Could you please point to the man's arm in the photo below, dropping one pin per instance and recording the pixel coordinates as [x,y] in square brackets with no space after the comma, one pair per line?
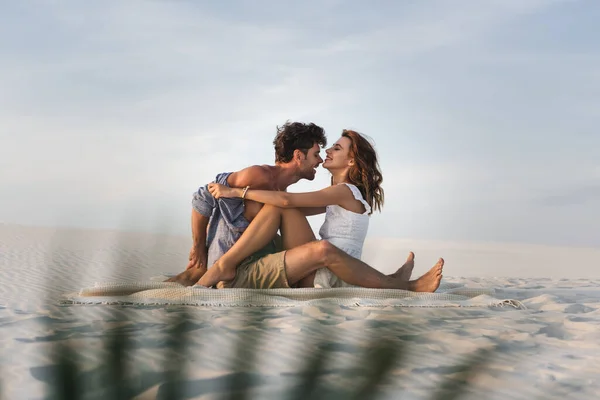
[198,257]
[199,229]
[203,204]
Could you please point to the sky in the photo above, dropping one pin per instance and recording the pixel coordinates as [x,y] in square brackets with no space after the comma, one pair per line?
[485,114]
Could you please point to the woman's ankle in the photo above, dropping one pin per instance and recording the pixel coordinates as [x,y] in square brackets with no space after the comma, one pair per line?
[225,271]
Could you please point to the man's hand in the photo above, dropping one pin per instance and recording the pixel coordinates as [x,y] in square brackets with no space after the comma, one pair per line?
[197,258]
[217,190]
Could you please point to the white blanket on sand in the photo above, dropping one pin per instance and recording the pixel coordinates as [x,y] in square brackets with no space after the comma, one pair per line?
[153,293]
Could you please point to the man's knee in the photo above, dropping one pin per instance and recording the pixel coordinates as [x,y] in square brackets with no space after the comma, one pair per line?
[271,208]
[291,211]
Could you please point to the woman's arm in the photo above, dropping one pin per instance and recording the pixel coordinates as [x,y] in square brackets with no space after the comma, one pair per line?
[332,195]
[308,211]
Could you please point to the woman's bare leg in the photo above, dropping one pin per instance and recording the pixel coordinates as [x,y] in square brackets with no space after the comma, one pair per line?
[191,276]
[295,231]
[304,260]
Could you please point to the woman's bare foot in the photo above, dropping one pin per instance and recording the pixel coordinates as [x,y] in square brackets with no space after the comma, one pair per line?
[217,273]
[430,281]
[188,277]
[405,271]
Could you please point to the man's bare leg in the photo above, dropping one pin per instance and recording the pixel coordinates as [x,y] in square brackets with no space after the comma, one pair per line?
[295,231]
[301,261]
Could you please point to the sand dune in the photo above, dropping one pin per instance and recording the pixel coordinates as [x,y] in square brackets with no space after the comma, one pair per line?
[551,348]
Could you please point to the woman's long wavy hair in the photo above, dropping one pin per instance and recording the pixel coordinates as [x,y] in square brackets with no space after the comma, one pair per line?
[365,174]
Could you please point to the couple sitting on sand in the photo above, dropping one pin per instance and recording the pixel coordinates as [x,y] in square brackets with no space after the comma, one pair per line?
[243,254]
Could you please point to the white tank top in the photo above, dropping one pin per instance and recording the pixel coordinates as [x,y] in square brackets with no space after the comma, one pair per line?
[345,230]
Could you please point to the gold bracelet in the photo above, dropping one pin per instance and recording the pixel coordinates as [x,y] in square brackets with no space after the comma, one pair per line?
[244,191]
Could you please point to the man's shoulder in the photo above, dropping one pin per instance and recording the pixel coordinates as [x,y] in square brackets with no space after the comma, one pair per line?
[254,175]
[256,171]
[259,169]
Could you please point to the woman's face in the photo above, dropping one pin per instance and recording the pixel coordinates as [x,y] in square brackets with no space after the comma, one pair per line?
[338,155]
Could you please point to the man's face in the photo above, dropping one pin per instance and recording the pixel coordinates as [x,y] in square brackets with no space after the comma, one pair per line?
[308,166]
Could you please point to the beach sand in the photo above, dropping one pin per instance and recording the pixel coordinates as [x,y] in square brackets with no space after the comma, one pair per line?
[549,350]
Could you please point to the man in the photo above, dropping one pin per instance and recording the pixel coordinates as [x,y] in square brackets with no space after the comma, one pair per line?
[217,225]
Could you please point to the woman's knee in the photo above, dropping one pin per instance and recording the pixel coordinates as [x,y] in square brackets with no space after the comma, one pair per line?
[325,250]
[316,253]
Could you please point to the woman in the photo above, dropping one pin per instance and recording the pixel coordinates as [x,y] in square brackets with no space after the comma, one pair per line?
[354,193]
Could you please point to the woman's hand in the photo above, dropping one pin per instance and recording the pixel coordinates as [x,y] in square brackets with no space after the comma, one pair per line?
[218,191]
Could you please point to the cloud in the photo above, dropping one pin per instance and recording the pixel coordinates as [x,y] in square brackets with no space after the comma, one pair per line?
[127,96]
[419,29]
[576,196]
[478,110]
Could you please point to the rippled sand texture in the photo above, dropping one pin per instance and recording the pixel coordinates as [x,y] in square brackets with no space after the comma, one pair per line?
[550,349]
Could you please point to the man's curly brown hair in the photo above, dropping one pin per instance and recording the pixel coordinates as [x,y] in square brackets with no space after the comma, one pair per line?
[297,136]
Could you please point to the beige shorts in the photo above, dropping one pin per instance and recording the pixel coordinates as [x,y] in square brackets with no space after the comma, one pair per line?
[267,272]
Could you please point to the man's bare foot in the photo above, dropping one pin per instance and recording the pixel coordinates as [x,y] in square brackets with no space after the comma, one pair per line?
[188,277]
[430,281]
[405,271]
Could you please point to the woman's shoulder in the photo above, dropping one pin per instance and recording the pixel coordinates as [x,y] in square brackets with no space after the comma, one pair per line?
[358,195]
[353,188]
